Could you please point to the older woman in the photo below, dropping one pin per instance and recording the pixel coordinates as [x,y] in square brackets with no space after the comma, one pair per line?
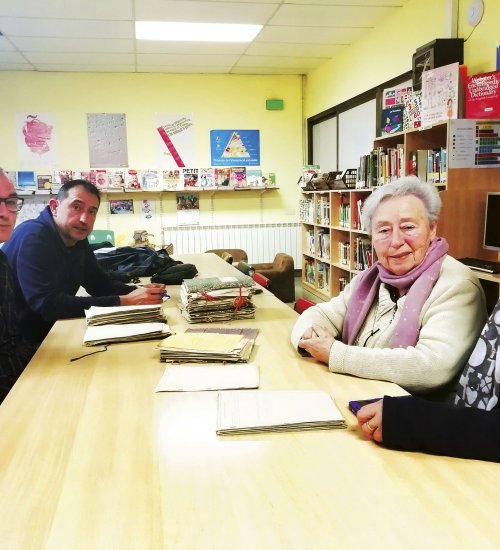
[413,317]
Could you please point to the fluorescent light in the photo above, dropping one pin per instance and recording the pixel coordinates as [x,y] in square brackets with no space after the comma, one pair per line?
[195,32]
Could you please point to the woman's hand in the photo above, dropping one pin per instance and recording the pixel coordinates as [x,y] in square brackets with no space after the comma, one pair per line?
[370,420]
[317,341]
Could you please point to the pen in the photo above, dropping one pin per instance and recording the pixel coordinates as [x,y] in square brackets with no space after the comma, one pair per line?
[165,295]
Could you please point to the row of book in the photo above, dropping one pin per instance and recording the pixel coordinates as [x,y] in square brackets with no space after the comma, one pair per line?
[323,250]
[148,180]
[429,165]
[363,254]
[306,210]
[381,166]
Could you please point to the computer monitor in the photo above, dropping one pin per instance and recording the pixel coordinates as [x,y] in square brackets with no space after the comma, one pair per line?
[491,238]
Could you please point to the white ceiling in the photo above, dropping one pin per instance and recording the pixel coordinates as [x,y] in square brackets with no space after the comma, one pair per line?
[98,35]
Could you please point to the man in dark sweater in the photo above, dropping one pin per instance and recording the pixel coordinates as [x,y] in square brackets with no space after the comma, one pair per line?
[14,351]
[470,429]
[51,259]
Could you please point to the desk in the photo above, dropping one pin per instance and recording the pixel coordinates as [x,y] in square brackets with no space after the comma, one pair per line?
[91,458]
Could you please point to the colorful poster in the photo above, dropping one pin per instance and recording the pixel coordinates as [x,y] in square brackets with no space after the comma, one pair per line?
[107,136]
[235,147]
[175,139]
[36,140]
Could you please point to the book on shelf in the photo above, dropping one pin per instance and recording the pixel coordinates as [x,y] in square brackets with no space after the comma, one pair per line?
[255,178]
[442,94]
[238,177]
[44,182]
[190,178]
[222,177]
[309,272]
[412,110]
[482,95]
[269,179]
[344,211]
[363,255]
[323,250]
[323,210]
[391,120]
[344,253]
[310,240]
[207,178]
[428,165]
[133,180]
[151,180]
[306,209]
[116,180]
[323,277]
[257,411]
[172,180]
[26,181]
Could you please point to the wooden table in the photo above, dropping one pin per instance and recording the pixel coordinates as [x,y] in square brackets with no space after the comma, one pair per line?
[92,458]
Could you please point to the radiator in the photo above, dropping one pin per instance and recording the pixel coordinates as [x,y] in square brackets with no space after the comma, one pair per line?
[261,242]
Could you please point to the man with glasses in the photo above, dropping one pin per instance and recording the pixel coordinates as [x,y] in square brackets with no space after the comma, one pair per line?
[14,351]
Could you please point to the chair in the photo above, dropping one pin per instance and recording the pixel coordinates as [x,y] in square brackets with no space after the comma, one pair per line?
[282,275]
[262,280]
[101,236]
[302,304]
[230,255]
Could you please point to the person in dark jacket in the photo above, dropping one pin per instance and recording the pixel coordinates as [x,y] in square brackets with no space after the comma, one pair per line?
[469,429]
[51,259]
[14,351]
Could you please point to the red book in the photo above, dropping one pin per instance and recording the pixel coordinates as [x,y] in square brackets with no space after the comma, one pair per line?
[482,95]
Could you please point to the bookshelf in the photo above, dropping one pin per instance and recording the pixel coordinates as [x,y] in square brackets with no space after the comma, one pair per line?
[462,190]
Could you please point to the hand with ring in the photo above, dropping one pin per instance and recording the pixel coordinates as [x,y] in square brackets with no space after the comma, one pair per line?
[370,420]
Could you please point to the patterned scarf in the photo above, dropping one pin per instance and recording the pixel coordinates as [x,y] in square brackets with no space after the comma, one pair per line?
[418,282]
[479,385]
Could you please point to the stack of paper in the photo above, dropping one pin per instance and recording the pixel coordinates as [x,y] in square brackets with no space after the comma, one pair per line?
[196,377]
[124,314]
[209,346]
[130,332]
[275,411]
[217,299]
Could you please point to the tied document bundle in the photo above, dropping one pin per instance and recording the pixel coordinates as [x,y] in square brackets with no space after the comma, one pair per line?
[96,315]
[217,299]
[256,411]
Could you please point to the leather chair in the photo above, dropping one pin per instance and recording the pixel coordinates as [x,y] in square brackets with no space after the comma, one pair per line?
[230,254]
[282,275]
[302,304]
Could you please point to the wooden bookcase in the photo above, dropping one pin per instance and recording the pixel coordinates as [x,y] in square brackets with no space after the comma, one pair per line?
[463,198]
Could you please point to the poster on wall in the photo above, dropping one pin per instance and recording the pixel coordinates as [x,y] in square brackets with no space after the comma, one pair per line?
[188,209]
[148,209]
[235,147]
[36,140]
[107,136]
[175,139]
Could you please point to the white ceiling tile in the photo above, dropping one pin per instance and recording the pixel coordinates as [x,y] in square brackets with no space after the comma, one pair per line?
[61,58]
[62,67]
[82,45]
[15,66]
[147,46]
[268,70]
[290,49]
[310,35]
[12,57]
[5,45]
[265,61]
[70,9]
[205,12]
[66,28]
[186,69]
[326,16]
[180,60]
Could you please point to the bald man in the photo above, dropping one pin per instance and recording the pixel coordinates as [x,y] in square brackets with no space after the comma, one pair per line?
[14,351]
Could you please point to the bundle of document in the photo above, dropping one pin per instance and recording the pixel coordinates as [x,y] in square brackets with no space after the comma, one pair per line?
[124,314]
[130,332]
[209,346]
[217,299]
[256,411]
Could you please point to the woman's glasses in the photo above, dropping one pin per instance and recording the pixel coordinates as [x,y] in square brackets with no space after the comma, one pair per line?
[14,204]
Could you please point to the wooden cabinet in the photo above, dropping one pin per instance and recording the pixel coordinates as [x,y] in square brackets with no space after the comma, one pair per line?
[326,269]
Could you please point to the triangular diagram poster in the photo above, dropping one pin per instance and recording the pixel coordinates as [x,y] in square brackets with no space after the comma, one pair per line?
[235,147]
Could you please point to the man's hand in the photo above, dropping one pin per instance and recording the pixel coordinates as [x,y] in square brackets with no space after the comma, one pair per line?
[317,341]
[151,293]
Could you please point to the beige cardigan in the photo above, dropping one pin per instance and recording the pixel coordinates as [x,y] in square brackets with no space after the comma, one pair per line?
[451,320]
